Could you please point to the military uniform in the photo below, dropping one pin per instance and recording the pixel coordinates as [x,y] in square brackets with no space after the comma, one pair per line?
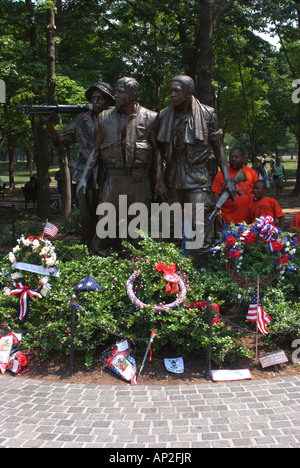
[186,143]
[127,156]
[83,130]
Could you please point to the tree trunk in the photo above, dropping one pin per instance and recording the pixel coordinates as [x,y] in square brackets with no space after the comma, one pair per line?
[51,56]
[29,157]
[42,161]
[62,153]
[296,190]
[66,195]
[11,158]
[205,56]
[250,130]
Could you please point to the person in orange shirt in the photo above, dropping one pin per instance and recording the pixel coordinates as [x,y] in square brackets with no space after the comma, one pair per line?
[265,206]
[296,224]
[239,210]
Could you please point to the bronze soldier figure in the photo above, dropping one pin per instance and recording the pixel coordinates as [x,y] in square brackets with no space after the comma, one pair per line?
[126,145]
[83,130]
[190,140]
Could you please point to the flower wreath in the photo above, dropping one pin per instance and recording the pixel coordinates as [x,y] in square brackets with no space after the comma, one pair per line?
[174,285]
[235,240]
[30,279]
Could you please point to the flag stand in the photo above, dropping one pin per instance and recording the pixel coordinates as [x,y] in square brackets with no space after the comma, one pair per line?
[257,314]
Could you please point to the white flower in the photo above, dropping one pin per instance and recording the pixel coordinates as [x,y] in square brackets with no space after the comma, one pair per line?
[35,245]
[45,290]
[6,291]
[16,275]
[44,280]
[16,249]
[49,262]
[11,257]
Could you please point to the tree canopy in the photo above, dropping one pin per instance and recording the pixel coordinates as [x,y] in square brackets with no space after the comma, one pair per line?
[217,42]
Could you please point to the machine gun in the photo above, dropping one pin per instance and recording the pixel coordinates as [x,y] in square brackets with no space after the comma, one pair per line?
[240,177]
[56,109]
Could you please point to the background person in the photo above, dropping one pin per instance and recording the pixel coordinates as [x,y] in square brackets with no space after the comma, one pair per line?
[239,210]
[279,175]
[296,224]
[265,206]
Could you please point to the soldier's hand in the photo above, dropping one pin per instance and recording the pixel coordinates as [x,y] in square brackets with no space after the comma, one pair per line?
[230,187]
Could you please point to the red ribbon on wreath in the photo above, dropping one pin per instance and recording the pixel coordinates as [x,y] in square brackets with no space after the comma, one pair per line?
[25,292]
[169,275]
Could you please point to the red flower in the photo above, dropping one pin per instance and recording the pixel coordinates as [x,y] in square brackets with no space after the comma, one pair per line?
[277,245]
[250,237]
[230,241]
[284,259]
[234,253]
[30,239]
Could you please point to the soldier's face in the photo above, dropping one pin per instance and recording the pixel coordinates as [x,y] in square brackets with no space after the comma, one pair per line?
[99,101]
[122,96]
[178,94]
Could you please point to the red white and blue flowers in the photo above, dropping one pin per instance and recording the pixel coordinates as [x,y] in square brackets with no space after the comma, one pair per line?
[32,263]
[234,241]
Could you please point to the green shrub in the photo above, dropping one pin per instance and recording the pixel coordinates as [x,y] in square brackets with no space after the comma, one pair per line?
[110,314]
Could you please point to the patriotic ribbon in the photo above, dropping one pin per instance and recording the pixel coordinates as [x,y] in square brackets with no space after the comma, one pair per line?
[267,230]
[25,292]
[169,275]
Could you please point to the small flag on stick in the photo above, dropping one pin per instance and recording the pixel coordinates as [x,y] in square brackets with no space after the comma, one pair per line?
[50,229]
[257,314]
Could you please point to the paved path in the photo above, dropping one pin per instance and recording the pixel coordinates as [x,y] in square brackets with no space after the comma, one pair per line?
[238,414]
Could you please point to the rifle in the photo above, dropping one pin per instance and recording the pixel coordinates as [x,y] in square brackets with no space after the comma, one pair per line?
[240,177]
[59,109]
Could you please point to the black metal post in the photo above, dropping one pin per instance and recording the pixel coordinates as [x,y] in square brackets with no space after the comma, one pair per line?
[73,324]
[208,347]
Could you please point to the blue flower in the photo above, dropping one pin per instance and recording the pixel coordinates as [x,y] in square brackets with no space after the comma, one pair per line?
[224,234]
[291,268]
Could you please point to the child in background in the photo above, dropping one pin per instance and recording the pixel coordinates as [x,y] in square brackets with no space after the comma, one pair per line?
[296,224]
[265,206]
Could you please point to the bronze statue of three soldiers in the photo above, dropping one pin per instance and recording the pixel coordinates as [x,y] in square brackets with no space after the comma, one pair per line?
[133,151]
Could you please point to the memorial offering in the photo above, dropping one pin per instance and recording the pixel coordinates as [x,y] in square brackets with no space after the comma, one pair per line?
[171,277]
[8,344]
[118,359]
[239,243]
[32,264]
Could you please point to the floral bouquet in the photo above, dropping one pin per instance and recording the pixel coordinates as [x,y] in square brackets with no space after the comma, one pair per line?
[251,246]
[32,264]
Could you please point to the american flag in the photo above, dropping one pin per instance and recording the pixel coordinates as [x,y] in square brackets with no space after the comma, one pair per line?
[263,319]
[87,284]
[50,229]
